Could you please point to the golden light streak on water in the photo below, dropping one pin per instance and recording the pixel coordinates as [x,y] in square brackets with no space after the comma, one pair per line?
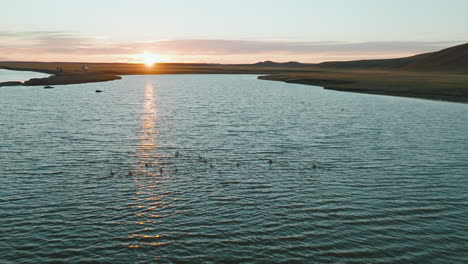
[150,177]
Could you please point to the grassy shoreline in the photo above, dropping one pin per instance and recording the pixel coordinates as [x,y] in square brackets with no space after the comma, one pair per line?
[72,73]
[425,85]
[433,86]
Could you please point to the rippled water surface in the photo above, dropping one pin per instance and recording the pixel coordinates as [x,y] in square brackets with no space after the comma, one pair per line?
[354,178]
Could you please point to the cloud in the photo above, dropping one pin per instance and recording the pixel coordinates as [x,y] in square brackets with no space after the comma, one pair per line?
[227,47]
[67,46]
[33,34]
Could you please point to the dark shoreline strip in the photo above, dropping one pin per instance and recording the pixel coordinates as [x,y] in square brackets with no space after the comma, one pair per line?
[329,85]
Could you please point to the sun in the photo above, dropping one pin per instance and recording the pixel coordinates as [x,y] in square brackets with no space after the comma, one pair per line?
[149,59]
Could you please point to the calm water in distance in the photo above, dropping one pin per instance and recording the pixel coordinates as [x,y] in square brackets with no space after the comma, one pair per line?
[355,178]
[7,75]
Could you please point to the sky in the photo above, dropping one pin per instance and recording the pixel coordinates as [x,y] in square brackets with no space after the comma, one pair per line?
[226,31]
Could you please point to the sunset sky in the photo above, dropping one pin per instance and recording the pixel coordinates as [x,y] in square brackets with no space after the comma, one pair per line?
[227,31]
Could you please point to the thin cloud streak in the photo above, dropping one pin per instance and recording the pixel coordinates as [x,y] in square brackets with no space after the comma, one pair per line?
[226,47]
[65,46]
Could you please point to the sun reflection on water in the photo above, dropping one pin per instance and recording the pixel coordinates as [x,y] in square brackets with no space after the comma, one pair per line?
[152,198]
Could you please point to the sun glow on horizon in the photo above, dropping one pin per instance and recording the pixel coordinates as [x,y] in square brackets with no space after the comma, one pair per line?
[149,59]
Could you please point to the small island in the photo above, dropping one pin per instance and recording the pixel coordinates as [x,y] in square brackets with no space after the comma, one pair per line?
[71,78]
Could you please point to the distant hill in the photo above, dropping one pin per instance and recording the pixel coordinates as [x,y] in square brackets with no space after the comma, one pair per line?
[384,64]
[450,59]
[282,64]
[454,59]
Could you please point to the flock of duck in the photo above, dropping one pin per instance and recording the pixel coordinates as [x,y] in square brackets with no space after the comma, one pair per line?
[200,158]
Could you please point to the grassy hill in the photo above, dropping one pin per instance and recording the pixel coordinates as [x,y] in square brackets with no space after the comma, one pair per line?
[454,59]
[451,59]
[441,75]
[382,64]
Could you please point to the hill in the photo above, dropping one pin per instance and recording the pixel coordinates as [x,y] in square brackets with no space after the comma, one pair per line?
[382,64]
[281,64]
[454,59]
[451,59]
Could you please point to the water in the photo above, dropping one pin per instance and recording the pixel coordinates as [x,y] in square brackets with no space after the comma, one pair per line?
[7,75]
[389,183]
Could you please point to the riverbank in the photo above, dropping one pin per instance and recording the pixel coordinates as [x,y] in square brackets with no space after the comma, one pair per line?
[448,86]
[434,86]
[73,73]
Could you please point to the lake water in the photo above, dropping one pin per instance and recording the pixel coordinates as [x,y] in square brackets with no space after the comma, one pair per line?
[354,178]
[7,75]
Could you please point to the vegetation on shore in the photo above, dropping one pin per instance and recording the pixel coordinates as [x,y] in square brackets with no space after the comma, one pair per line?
[441,75]
[73,73]
[73,78]
[437,86]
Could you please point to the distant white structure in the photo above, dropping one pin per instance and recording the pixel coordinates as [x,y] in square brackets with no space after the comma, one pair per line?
[84,68]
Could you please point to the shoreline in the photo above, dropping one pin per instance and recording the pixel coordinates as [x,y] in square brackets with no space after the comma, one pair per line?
[71,78]
[63,80]
[432,97]
[440,87]
[58,78]
[451,87]
[73,73]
